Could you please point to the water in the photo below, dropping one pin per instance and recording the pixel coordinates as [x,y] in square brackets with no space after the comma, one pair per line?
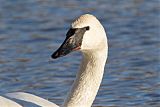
[31,30]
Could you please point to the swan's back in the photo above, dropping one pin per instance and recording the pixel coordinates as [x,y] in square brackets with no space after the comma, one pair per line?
[31,98]
[4,102]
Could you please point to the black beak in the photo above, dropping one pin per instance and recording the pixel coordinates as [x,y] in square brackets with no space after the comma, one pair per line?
[72,42]
[67,46]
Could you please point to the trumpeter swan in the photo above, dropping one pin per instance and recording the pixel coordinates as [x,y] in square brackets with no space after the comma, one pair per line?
[88,36]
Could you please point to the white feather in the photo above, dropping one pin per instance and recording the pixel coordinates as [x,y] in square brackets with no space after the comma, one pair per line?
[31,98]
[4,102]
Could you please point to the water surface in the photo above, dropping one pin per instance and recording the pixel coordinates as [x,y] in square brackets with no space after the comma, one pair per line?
[30,30]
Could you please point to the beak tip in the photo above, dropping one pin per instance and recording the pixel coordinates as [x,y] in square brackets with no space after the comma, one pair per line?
[54,55]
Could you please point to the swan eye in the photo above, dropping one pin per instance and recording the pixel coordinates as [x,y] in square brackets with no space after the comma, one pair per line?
[87,28]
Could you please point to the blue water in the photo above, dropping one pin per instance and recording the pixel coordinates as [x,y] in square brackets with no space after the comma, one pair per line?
[31,30]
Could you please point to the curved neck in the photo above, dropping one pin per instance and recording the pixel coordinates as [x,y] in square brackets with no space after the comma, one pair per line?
[88,79]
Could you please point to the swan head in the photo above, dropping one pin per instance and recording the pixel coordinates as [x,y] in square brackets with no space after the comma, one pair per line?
[86,34]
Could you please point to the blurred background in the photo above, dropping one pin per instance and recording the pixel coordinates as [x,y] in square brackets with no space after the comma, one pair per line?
[31,30]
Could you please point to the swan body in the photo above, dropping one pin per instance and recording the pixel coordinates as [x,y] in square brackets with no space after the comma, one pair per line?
[88,36]
[31,98]
[4,102]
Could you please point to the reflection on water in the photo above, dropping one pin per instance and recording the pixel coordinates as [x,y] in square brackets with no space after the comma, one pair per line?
[31,30]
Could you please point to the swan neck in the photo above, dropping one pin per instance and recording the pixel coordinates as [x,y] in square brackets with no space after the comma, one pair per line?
[88,79]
